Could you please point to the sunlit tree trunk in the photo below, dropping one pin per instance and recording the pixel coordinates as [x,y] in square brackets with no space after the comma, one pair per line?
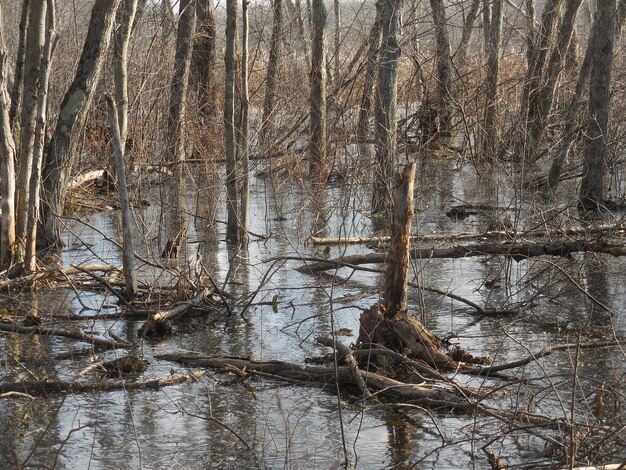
[385,106]
[18,78]
[72,115]
[444,66]
[273,67]
[591,188]
[243,145]
[230,141]
[34,188]
[34,49]
[7,159]
[126,17]
[317,132]
[369,76]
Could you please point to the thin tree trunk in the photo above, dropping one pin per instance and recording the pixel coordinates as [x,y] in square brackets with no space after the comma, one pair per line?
[30,259]
[230,59]
[266,136]
[203,59]
[337,59]
[7,159]
[385,107]
[466,35]
[369,77]
[317,119]
[303,37]
[243,145]
[18,77]
[176,123]
[34,49]
[541,101]
[72,115]
[489,142]
[444,66]
[128,257]
[531,35]
[591,188]
[127,17]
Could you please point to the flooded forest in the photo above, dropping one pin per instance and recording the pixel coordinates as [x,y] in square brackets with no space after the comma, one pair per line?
[373,234]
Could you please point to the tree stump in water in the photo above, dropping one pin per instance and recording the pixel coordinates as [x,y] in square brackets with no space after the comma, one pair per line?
[388,323]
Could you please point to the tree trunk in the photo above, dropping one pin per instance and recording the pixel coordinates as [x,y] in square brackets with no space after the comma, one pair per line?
[444,66]
[369,76]
[203,59]
[337,59]
[466,36]
[128,257]
[18,77]
[34,49]
[266,136]
[385,107]
[317,117]
[243,133]
[7,159]
[126,15]
[489,141]
[72,115]
[303,37]
[34,188]
[230,141]
[591,189]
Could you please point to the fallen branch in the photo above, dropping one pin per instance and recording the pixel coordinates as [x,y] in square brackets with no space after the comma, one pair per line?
[53,275]
[517,251]
[45,388]
[79,335]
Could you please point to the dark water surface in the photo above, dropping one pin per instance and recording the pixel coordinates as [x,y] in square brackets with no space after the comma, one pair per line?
[300,426]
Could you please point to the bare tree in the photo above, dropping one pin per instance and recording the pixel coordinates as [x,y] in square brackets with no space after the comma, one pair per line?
[203,58]
[385,106]
[34,49]
[71,121]
[230,142]
[243,132]
[466,35]
[591,188]
[369,76]
[317,112]
[444,66]
[493,62]
[273,67]
[7,159]
[34,187]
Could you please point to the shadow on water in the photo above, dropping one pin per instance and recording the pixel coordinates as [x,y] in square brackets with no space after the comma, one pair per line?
[225,422]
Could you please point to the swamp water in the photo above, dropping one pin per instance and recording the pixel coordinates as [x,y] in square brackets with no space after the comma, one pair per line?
[224,422]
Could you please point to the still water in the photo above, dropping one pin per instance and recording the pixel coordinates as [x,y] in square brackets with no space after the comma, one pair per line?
[223,422]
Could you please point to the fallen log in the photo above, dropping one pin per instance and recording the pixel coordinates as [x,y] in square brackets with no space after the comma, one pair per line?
[53,275]
[76,334]
[45,388]
[612,230]
[514,250]
[434,395]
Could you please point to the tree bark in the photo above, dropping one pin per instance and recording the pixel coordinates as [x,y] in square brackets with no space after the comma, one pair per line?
[385,106]
[203,58]
[230,141]
[591,189]
[34,50]
[466,35]
[72,116]
[317,100]
[7,159]
[396,277]
[34,188]
[489,141]
[273,67]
